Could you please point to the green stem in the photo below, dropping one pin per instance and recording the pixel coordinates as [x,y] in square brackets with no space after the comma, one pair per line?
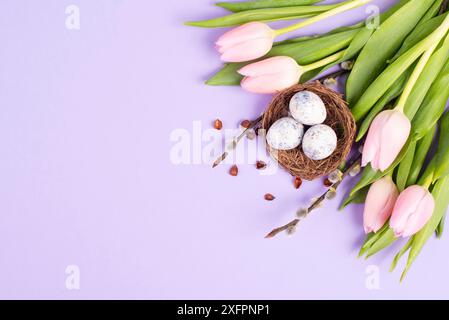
[426,179]
[324,62]
[430,43]
[414,77]
[342,8]
[427,183]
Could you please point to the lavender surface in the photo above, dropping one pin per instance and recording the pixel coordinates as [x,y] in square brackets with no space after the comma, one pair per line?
[87,179]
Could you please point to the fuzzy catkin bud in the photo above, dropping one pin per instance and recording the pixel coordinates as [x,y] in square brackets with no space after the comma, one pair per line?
[251,134]
[302,213]
[347,65]
[329,82]
[291,230]
[331,194]
[335,176]
[355,170]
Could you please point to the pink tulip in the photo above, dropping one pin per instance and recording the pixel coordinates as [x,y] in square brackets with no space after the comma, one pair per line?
[379,204]
[247,42]
[386,137]
[270,75]
[412,211]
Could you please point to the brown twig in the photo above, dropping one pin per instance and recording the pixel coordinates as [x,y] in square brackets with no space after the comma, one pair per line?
[316,204]
[237,139]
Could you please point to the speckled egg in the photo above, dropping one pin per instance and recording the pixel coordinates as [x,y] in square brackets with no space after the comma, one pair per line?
[285,134]
[319,142]
[308,108]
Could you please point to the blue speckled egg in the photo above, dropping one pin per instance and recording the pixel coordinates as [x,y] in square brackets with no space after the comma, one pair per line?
[285,134]
[319,142]
[308,108]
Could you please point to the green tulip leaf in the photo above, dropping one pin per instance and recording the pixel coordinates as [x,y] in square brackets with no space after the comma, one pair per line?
[386,239]
[405,167]
[354,48]
[428,174]
[440,228]
[392,93]
[442,154]
[262,15]
[427,77]
[400,254]
[433,105]
[387,78]
[422,150]
[372,238]
[434,10]
[421,32]
[357,198]
[389,39]
[262,4]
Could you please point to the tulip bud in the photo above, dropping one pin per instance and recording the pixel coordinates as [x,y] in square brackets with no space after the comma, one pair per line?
[247,42]
[387,135]
[413,209]
[270,75]
[379,204]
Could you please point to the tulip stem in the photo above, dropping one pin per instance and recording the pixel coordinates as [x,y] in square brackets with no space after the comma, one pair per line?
[427,177]
[427,184]
[430,44]
[324,62]
[414,77]
[427,180]
[342,8]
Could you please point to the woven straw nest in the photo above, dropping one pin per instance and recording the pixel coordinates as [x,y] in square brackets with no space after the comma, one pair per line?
[339,118]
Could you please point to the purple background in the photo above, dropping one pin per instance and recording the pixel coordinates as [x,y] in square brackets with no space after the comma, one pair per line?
[86,177]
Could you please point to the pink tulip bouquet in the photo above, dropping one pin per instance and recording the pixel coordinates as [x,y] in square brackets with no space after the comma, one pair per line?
[397,89]
[251,45]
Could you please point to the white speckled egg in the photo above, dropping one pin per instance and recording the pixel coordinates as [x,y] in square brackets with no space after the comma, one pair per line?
[319,142]
[285,134]
[308,108]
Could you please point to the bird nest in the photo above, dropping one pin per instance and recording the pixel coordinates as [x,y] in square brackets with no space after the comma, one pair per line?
[339,118]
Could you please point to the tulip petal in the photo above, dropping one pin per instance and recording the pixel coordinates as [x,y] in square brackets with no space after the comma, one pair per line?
[387,135]
[372,143]
[267,84]
[248,50]
[270,75]
[247,42]
[269,66]
[422,215]
[407,201]
[407,205]
[379,204]
[248,31]
[395,133]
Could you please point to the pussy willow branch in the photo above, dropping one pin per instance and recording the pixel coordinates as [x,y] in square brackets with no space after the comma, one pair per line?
[255,122]
[237,139]
[316,204]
